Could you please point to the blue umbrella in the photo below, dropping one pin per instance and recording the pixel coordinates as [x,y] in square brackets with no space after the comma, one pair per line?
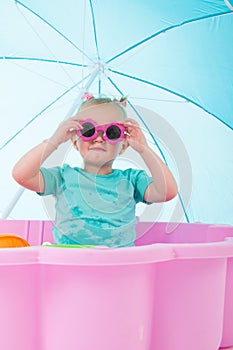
[173,59]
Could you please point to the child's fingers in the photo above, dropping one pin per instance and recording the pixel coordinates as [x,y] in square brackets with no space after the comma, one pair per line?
[73,133]
[132,129]
[72,124]
[130,124]
[77,126]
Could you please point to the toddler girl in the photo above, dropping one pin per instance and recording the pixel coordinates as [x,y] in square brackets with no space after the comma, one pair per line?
[95,205]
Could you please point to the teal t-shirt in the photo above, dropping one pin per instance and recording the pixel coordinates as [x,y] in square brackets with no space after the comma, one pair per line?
[95,209]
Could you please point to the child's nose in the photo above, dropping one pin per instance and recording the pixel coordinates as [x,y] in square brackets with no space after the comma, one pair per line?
[99,137]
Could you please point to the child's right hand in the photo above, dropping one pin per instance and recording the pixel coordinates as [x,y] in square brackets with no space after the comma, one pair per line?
[27,170]
[66,130]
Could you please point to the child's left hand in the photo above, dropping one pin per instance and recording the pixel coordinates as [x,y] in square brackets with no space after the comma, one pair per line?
[134,136]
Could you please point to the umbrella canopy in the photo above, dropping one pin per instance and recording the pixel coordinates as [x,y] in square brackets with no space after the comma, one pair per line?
[173,59]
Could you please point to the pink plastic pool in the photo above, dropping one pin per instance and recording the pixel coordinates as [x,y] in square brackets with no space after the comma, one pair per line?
[173,291]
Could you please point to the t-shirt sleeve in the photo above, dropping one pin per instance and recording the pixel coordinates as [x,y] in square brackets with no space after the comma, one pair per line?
[141,182]
[52,180]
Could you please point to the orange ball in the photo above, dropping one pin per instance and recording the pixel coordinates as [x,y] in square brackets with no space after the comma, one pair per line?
[12,241]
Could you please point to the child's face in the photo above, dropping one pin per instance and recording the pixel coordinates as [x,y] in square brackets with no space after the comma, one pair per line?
[99,152]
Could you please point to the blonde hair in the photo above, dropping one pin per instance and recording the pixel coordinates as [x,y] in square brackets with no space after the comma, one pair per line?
[121,103]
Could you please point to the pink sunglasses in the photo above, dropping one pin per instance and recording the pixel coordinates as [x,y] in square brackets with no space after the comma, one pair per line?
[112,132]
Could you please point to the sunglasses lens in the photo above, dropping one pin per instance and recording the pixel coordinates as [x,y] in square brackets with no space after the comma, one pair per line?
[88,129]
[113,132]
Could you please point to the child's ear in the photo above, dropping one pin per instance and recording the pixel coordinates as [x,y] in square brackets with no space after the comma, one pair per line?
[124,146]
[75,144]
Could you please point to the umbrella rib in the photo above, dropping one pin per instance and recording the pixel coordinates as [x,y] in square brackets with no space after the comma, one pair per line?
[16,63]
[148,38]
[99,86]
[142,120]
[42,60]
[54,28]
[10,58]
[42,111]
[44,43]
[94,29]
[173,92]
[153,138]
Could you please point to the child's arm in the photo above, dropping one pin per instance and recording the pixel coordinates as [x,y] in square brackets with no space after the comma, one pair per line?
[164,186]
[27,170]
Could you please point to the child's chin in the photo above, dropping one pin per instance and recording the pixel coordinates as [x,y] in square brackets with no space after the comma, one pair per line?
[95,160]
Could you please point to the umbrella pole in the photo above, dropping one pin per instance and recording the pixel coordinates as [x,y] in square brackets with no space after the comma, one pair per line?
[12,204]
[72,110]
[78,99]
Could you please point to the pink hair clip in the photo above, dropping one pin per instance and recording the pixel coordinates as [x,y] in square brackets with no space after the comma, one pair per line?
[87,96]
[122,103]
